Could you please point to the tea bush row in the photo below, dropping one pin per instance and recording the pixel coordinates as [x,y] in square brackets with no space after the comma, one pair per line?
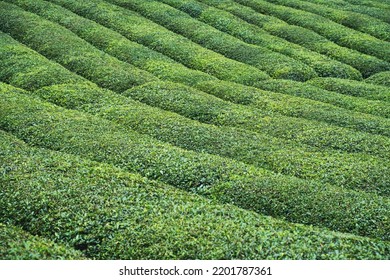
[264,117]
[366,64]
[146,32]
[355,109]
[63,46]
[17,244]
[252,34]
[356,21]
[335,32]
[115,44]
[221,179]
[111,214]
[275,64]
[357,6]
[382,78]
[290,158]
[22,67]
[353,88]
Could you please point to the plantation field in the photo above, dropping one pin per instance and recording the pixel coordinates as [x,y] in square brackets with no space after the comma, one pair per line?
[194,129]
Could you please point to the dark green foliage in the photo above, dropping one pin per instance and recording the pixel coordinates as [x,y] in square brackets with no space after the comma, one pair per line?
[354,88]
[252,34]
[264,116]
[335,32]
[366,64]
[16,244]
[355,21]
[213,146]
[357,6]
[115,44]
[110,214]
[382,78]
[146,32]
[290,158]
[223,180]
[22,67]
[66,48]
[275,64]
[347,118]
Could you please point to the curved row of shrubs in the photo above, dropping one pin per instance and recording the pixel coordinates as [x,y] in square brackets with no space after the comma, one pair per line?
[353,88]
[17,244]
[224,180]
[264,117]
[275,64]
[353,104]
[356,21]
[357,6]
[356,106]
[110,214]
[21,66]
[146,32]
[335,32]
[371,108]
[65,47]
[382,78]
[290,158]
[115,44]
[258,149]
[299,130]
[371,3]
[366,64]
[251,34]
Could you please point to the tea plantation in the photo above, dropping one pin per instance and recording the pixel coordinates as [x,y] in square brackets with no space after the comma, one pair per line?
[194,129]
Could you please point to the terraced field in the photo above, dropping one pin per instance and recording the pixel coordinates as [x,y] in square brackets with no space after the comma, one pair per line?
[194,129]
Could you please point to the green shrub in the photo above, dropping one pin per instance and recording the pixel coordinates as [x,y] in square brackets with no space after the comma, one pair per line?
[252,34]
[357,6]
[382,78]
[110,214]
[141,30]
[335,32]
[354,109]
[355,21]
[366,64]
[221,179]
[16,244]
[275,64]
[290,158]
[22,67]
[353,88]
[262,114]
[65,47]
[115,44]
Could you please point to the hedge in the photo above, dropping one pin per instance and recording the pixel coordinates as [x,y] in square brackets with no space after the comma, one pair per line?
[355,21]
[357,6]
[382,78]
[268,102]
[366,64]
[353,88]
[341,169]
[143,31]
[24,68]
[63,46]
[115,44]
[264,116]
[374,122]
[111,214]
[335,32]
[273,63]
[16,244]
[223,180]
[252,34]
